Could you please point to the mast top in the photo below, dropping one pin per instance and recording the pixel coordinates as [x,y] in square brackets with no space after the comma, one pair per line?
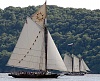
[45,0]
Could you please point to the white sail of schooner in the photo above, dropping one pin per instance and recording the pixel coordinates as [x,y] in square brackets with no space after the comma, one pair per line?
[68,62]
[83,66]
[36,49]
[75,65]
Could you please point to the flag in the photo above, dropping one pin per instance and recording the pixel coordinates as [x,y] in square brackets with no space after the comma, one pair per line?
[40,16]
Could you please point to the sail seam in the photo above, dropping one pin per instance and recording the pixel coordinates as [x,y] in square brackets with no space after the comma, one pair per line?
[27,61]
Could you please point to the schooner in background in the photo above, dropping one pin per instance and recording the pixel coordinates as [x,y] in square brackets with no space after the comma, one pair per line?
[75,65]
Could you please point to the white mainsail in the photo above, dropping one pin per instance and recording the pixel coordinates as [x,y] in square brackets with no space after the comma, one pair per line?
[68,62]
[82,67]
[29,50]
[75,64]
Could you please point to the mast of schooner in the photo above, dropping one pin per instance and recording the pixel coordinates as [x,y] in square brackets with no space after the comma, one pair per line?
[45,39]
[72,62]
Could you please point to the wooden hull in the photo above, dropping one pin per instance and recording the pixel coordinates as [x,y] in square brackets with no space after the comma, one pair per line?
[34,75]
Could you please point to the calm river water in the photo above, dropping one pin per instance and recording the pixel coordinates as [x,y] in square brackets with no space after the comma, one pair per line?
[87,77]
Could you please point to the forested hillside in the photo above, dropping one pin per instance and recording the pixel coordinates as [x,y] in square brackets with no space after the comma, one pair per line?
[67,25]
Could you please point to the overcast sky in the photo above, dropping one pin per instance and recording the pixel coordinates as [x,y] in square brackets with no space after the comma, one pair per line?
[88,4]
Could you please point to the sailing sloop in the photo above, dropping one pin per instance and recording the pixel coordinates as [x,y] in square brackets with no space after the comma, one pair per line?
[36,50]
[75,65]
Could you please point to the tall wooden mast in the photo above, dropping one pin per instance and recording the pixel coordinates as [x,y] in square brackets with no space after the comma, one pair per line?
[72,63]
[46,40]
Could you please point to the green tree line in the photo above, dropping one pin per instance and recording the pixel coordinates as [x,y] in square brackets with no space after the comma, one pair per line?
[67,25]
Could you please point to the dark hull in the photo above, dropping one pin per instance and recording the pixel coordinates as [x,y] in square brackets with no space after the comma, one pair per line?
[34,75]
[74,74]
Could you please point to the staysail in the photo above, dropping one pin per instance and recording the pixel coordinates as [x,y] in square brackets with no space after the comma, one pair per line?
[84,67]
[54,60]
